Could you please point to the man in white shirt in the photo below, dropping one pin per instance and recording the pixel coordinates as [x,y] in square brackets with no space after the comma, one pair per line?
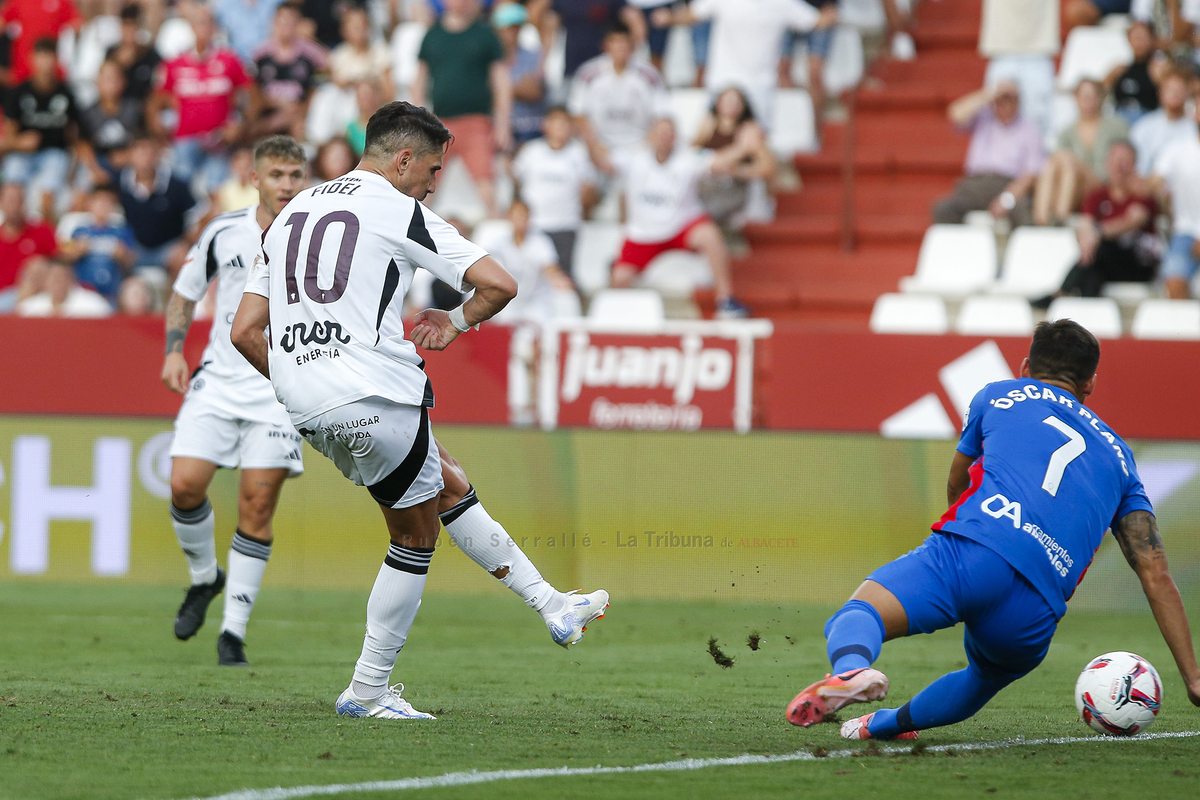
[354,385]
[557,180]
[664,213]
[615,97]
[63,297]
[746,42]
[1152,133]
[1176,177]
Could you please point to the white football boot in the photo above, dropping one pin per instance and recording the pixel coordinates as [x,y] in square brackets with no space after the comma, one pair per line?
[568,624]
[389,705]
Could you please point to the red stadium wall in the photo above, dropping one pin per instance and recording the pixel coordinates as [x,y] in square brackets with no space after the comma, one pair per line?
[805,380]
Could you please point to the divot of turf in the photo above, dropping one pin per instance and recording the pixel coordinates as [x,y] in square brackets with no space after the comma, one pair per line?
[718,655]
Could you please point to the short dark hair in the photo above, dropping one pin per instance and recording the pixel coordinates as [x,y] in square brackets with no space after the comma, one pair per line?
[46,45]
[131,12]
[617,28]
[290,5]
[1063,350]
[399,125]
[279,146]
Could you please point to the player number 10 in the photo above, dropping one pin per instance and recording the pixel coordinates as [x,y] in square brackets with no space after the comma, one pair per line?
[341,269]
[1064,455]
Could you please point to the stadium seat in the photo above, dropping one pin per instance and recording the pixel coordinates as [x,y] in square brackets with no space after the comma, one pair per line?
[596,248]
[679,65]
[1100,315]
[689,107]
[330,110]
[1128,293]
[991,315]
[1166,319]
[1036,261]
[845,65]
[955,260]
[909,313]
[628,308]
[566,304]
[1092,52]
[793,130]
[406,44]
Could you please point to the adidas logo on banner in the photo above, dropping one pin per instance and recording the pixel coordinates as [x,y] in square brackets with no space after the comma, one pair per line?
[961,378]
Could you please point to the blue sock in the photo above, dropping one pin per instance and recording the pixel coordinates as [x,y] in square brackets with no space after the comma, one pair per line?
[951,698]
[853,636]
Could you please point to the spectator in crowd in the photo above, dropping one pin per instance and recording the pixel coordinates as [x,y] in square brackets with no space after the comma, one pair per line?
[333,160]
[818,43]
[746,42]
[1089,12]
[525,72]
[63,296]
[29,22]
[530,257]
[368,96]
[731,132]
[41,124]
[22,241]
[1020,41]
[1077,166]
[1003,159]
[665,213]
[286,68]
[31,280]
[1176,178]
[238,190]
[556,179]
[204,87]
[1133,86]
[1155,130]
[108,126]
[615,97]
[81,51]
[247,24]
[101,248]
[1116,234]
[360,55]
[328,18]
[136,298]
[463,77]
[584,24]
[656,31]
[135,53]
[158,207]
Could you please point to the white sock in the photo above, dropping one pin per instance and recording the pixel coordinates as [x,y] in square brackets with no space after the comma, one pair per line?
[247,563]
[487,544]
[391,610]
[194,530]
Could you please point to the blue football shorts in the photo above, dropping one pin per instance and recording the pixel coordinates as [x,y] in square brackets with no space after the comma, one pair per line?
[951,579]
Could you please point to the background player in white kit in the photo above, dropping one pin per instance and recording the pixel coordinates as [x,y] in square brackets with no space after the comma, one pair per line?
[335,270]
[230,417]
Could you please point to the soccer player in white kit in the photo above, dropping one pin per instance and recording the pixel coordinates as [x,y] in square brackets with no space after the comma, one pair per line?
[230,417]
[330,285]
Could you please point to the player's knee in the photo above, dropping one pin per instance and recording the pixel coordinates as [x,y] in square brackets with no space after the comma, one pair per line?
[186,494]
[255,510]
[456,485]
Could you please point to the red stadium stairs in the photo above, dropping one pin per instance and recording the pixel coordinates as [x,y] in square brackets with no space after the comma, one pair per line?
[906,156]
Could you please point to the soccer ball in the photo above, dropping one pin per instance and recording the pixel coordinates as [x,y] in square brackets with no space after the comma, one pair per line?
[1119,694]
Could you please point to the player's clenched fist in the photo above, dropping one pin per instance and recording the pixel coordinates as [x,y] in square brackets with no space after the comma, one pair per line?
[175,372]
[433,330]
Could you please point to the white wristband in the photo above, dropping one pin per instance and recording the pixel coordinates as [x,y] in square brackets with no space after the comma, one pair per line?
[459,320]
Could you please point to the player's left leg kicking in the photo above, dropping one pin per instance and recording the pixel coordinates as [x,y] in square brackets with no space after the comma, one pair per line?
[947,580]
[268,454]
[485,542]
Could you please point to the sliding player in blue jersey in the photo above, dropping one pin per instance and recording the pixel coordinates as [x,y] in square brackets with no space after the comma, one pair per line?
[1036,481]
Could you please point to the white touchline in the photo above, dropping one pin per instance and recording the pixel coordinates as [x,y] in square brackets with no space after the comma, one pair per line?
[468,778]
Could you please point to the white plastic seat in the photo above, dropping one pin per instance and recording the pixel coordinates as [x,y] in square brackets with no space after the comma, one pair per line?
[689,107]
[628,308]
[955,260]
[596,247]
[1166,319]
[1092,52]
[993,315]
[793,129]
[329,112]
[566,304]
[1128,292]
[1036,261]
[845,65]
[909,313]
[1100,315]
[406,45]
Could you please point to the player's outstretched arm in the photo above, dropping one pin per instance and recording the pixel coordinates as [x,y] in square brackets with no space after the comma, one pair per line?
[1137,533]
[179,319]
[960,476]
[249,323]
[434,329]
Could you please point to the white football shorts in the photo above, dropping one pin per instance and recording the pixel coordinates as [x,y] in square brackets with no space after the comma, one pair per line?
[209,433]
[385,446]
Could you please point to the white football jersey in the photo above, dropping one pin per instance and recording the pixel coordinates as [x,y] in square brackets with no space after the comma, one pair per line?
[527,263]
[552,183]
[335,268]
[226,251]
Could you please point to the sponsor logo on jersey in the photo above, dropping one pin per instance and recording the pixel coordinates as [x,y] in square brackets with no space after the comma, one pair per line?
[323,332]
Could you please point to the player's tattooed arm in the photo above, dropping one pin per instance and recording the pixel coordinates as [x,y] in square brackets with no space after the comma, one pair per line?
[179,319]
[1137,533]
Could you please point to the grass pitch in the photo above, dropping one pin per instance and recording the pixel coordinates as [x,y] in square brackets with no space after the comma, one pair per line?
[98,700]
